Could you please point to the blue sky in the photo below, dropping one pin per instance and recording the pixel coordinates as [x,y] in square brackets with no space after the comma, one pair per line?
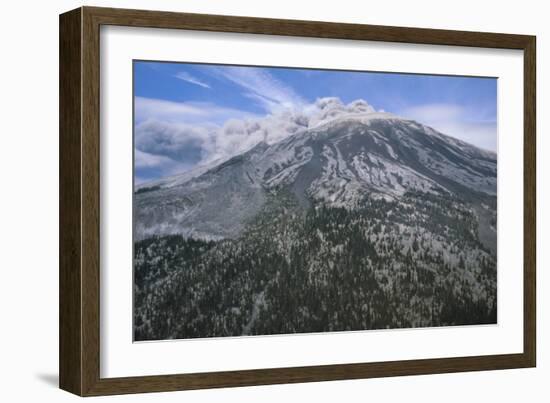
[191,114]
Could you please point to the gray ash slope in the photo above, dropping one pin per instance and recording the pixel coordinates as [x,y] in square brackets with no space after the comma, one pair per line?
[339,163]
[365,221]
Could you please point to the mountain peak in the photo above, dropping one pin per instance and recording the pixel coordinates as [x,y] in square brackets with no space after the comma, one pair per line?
[359,117]
[337,163]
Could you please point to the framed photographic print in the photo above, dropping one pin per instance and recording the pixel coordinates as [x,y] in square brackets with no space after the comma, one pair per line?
[249,201]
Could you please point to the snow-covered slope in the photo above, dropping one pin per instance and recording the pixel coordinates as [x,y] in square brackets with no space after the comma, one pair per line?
[339,158]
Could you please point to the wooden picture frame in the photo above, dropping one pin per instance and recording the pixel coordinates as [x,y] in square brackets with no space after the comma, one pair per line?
[79,347]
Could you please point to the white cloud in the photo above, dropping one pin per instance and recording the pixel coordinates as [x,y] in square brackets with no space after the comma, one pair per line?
[183,75]
[456,121]
[184,112]
[261,86]
[434,112]
[149,108]
[161,165]
[177,141]
[174,146]
[177,137]
[480,134]
[146,160]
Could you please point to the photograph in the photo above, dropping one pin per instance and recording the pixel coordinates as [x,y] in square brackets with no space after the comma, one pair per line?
[285,200]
